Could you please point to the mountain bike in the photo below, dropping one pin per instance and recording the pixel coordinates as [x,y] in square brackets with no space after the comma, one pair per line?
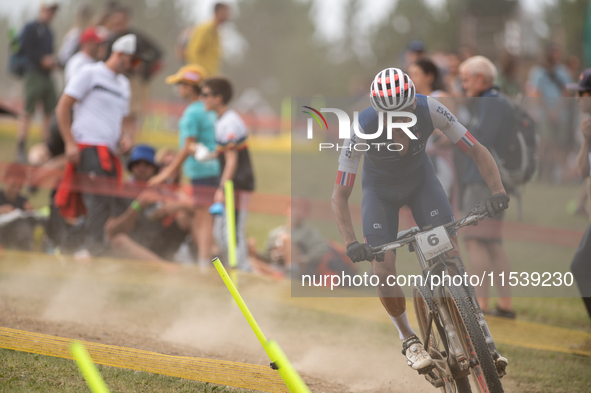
[452,325]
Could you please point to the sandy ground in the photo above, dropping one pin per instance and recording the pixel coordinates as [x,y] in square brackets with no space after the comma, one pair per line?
[190,313]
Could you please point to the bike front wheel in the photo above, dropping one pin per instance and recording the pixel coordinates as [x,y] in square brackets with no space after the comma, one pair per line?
[441,376]
[484,375]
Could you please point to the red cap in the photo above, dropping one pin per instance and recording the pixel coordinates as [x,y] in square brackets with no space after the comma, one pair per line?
[92,34]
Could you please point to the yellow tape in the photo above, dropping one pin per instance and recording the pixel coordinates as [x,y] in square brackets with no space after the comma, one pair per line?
[221,372]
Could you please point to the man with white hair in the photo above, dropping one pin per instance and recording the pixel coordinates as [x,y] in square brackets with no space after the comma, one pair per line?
[491,120]
[101,94]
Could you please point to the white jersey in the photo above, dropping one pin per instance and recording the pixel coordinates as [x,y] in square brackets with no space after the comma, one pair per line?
[102,102]
[75,63]
[230,129]
[430,113]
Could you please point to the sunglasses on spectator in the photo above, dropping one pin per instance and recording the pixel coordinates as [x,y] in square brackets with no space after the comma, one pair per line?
[205,95]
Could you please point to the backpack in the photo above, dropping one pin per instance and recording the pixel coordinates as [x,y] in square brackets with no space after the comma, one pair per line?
[519,163]
[17,63]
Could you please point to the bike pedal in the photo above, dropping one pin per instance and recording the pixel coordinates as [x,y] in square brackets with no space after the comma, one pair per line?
[426,370]
[501,364]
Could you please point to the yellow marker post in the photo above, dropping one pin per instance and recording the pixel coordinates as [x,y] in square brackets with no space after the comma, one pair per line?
[294,382]
[289,375]
[89,372]
[231,229]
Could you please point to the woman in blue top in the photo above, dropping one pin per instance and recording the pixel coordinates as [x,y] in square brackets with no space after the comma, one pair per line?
[196,134]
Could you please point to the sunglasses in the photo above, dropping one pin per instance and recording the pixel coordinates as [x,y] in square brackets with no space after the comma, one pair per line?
[205,95]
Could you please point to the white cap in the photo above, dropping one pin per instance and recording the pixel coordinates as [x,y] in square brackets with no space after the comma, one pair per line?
[126,44]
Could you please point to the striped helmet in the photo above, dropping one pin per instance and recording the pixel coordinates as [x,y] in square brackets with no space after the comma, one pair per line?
[391,90]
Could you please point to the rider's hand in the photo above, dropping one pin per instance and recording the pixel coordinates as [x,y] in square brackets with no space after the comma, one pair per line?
[359,252]
[496,204]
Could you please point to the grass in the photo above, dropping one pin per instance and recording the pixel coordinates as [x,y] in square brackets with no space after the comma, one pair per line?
[533,371]
[28,372]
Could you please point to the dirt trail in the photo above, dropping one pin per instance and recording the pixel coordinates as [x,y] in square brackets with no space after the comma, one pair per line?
[190,313]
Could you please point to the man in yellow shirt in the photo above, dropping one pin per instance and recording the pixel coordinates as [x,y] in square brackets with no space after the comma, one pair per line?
[203,47]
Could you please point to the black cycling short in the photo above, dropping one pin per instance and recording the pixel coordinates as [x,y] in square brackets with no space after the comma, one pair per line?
[422,193]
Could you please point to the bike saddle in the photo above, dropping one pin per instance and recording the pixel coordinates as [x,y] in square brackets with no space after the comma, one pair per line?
[407,232]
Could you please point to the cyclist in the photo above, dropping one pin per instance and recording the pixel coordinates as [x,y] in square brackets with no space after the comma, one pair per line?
[392,179]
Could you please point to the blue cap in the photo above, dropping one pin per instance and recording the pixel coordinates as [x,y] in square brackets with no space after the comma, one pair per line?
[142,153]
[416,46]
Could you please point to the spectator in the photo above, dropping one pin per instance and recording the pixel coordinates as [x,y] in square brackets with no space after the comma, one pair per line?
[92,49]
[195,127]
[492,115]
[299,247]
[231,137]
[581,264]
[71,40]
[507,78]
[453,82]
[147,227]
[548,81]
[164,157]
[119,24]
[204,46]
[426,78]
[415,50]
[36,47]
[50,153]
[15,231]
[101,94]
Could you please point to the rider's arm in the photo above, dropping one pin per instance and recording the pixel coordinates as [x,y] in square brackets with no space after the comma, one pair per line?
[348,164]
[487,166]
[341,212]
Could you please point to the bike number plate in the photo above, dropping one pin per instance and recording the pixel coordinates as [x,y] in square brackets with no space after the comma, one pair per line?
[434,243]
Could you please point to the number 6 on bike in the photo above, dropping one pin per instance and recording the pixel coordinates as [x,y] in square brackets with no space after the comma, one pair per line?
[434,242]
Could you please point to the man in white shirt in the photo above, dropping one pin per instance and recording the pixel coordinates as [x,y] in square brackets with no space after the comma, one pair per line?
[92,42]
[99,96]
[92,47]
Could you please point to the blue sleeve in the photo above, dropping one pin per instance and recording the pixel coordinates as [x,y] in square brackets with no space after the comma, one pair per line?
[534,77]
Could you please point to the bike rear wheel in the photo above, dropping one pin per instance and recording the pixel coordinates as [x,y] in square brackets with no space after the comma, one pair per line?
[484,375]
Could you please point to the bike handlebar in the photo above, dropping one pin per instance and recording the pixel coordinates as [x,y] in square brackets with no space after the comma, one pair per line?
[477,214]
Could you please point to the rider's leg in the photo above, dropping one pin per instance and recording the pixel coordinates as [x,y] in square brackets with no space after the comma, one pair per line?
[392,297]
[394,302]
[479,260]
